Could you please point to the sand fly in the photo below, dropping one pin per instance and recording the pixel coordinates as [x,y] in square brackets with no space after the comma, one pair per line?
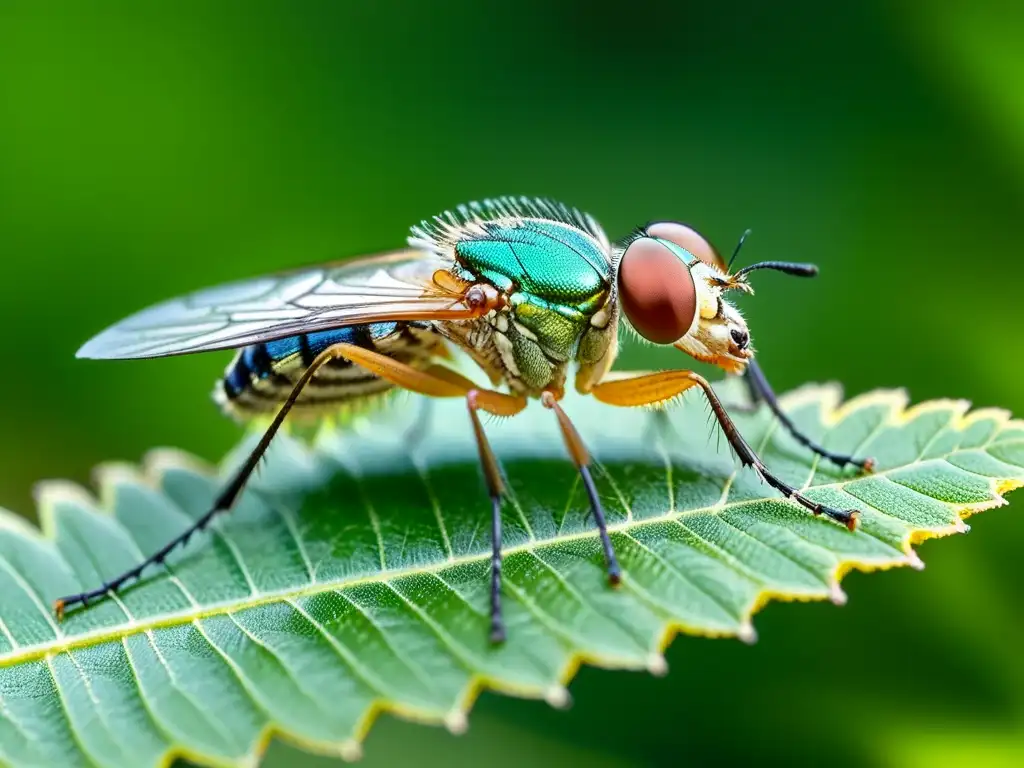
[532,290]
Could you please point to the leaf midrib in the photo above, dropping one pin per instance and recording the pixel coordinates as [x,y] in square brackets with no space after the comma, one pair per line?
[66,643]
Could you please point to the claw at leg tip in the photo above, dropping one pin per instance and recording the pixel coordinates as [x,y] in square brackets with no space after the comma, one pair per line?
[58,609]
[614,578]
[869,465]
[851,521]
[497,635]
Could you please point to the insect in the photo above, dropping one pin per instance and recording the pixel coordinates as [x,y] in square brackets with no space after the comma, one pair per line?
[529,288]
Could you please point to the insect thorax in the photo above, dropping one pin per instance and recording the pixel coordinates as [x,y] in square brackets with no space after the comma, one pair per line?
[552,265]
[530,361]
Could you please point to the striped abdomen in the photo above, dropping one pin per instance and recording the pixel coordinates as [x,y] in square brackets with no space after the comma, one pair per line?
[262,376]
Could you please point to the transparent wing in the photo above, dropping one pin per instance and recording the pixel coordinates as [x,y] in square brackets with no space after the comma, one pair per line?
[394,286]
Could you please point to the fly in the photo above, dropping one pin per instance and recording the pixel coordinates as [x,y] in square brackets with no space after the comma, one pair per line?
[532,290]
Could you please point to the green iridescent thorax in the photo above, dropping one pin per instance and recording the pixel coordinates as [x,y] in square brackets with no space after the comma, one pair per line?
[556,278]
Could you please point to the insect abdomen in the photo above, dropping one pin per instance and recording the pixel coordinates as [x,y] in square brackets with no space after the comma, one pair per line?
[261,376]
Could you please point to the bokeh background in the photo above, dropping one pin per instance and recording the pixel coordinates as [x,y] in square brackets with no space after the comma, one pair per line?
[149,149]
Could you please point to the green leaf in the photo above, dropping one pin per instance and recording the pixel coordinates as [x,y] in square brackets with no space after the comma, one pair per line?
[352,579]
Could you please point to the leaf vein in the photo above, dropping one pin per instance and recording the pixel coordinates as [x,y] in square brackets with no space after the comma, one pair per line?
[101,713]
[682,576]
[527,651]
[27,588]
[771,547]
[459,652]
[247,685]
[288,517]
[343,652]
[72,729]
[210,717]
[724,556]
[435,507]
[276,656]
[630,630]
[156,721]
[417,671]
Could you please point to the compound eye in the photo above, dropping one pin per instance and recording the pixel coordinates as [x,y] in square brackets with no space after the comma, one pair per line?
[688,238]
[656,290]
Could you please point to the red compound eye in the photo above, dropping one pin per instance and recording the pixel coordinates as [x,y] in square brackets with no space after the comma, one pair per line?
[688,238]
[656,291]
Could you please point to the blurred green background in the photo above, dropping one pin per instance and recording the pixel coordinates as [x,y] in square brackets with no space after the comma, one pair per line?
[147,151]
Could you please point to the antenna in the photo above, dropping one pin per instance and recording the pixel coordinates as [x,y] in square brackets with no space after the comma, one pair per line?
[789,267]
[736,250]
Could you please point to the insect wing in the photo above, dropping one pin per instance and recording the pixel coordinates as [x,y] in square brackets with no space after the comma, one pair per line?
[394,286]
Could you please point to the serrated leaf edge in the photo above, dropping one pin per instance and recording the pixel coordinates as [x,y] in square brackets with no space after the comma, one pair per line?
[158,461]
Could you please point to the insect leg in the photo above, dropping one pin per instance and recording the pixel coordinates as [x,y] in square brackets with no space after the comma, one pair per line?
[438,381]
[752,390]
[762,390]
[224,501]
[581,458]
[753,398]
[496,490]
[752,401]
[658,388]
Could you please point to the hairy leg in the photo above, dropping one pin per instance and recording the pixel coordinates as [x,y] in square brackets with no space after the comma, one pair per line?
[761,390]
[436,382]
[581,458]
[656,388]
